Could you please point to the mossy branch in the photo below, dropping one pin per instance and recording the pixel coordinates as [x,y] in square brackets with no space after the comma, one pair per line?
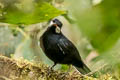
[11,69]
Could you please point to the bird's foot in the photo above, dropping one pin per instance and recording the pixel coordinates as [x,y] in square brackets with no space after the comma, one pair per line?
[49,71]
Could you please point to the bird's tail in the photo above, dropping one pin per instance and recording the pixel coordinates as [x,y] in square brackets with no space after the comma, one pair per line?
[82,68]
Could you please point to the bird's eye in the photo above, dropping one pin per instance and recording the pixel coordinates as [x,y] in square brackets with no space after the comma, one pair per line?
[54,21]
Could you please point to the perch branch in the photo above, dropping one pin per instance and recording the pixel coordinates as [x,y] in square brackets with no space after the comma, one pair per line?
[12,69]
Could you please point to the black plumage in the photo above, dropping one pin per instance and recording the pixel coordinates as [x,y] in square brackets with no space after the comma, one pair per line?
[59,49]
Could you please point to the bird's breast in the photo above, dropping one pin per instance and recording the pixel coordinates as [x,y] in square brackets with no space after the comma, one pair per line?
[50,41]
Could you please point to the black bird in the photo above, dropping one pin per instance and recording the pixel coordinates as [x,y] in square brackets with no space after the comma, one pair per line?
[59,49]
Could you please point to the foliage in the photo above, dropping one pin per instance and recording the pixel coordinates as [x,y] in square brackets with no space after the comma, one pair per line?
[29,12]
[99,23]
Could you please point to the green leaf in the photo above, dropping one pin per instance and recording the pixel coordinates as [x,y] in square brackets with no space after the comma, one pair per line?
[100,23]
[22,13]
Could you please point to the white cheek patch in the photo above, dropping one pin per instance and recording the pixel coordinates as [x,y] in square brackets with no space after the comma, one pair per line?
[57,30]
[50,24]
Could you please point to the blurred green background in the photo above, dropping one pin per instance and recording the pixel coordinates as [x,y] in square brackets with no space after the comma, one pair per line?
[92,25]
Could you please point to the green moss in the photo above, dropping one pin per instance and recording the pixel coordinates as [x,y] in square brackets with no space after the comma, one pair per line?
[24,70]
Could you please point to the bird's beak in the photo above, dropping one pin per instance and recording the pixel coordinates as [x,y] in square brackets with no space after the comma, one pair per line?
[55,25]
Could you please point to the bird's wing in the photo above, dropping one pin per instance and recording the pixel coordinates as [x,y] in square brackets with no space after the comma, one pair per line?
[63,46]
[67,47]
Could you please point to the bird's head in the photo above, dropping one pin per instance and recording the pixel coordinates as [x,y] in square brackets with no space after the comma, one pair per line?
[56,24]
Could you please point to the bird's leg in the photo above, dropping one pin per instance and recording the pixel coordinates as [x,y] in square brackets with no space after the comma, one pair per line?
[51,69]
[53,66]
